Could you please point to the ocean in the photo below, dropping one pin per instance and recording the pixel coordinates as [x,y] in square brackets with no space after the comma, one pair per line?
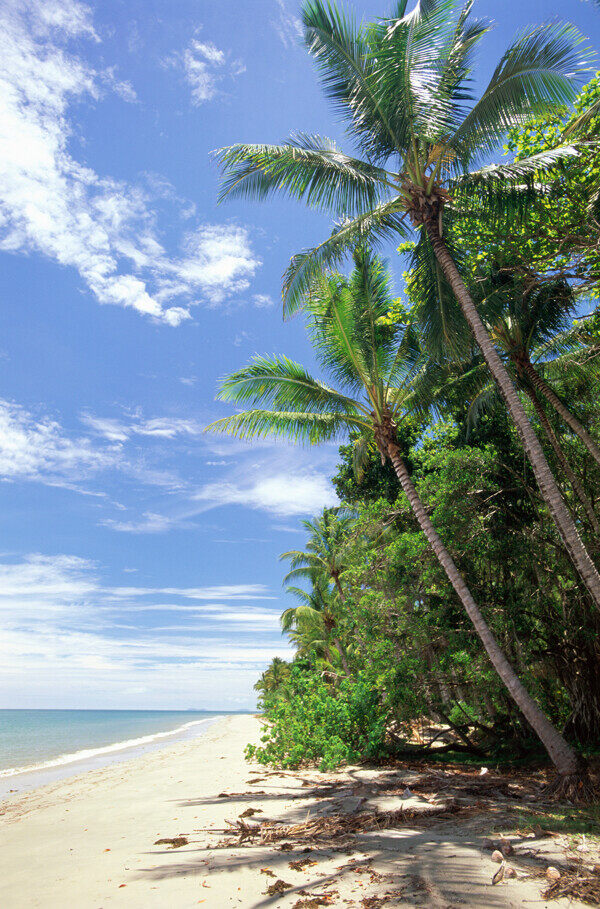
[48,744]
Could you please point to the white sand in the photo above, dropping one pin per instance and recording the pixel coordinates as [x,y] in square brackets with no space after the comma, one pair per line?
[88,842]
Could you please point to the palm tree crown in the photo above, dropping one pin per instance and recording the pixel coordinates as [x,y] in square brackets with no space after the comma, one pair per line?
[403,87]
[370,361]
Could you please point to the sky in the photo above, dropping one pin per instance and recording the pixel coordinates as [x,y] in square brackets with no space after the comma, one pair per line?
[139,557]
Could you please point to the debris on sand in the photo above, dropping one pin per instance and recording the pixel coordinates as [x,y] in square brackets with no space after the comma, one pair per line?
[278,887]
[313,902]
[333,826]
[301,864]
[580,884]
[174,842]
[250,811]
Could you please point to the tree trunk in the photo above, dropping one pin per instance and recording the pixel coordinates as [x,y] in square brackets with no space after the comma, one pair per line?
[562,755]
[553,399]
[562,460]
[545,479]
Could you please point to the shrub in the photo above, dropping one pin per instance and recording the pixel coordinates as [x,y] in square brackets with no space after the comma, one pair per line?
[321,724]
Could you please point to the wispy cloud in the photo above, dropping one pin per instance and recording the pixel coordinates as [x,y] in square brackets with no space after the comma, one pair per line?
[262,301]
[52,204]
[204,66]
[159,427]
[281,494]
[287,26]
[60,622]
[38,449]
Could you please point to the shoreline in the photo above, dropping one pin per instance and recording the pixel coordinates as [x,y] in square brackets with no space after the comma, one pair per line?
[169,829]
[14,782]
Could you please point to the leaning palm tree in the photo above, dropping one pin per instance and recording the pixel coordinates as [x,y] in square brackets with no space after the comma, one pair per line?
[403,85]
[360,347]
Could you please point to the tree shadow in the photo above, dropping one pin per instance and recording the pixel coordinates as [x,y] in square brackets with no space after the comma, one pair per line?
[429,862]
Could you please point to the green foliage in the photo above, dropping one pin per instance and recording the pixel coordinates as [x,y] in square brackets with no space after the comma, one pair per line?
[321,724]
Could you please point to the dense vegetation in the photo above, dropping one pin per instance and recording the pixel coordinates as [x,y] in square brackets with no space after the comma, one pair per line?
[457,582]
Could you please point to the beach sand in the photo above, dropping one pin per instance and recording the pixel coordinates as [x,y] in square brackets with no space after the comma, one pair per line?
[89,842]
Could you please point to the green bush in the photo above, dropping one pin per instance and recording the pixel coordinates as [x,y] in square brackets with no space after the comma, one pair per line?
[321,724]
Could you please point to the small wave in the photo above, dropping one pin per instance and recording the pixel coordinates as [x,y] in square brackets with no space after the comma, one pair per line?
[85,753]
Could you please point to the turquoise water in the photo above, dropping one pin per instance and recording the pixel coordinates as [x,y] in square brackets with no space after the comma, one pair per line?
[40,739]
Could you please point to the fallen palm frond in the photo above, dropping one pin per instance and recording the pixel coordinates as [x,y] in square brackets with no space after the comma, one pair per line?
[581,884]
[333,826]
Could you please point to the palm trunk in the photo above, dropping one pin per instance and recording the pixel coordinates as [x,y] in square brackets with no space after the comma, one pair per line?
[562,755]
[553,399]
[562,460]
[545,479]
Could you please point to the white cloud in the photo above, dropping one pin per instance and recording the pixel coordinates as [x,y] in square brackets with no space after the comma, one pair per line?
[60,622]
[262,301]
[204,66]
[158,427]
[51,204]
[218,592]
[38,449]
[280,494]
[148,523]
[218,261]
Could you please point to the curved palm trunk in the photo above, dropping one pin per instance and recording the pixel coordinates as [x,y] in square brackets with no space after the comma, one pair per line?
[562,460]
[553,399]
[562,755]
[545,479]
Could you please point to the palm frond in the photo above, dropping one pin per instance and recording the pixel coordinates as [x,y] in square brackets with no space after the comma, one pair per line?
[284,385]
[298,427]
[538,72]
[442,326]
[348,69]
[384,221]
[306,167]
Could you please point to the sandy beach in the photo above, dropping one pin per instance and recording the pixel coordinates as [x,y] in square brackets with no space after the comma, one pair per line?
[90,842]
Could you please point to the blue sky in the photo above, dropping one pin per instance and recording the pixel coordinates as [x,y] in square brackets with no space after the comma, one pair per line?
[139,558]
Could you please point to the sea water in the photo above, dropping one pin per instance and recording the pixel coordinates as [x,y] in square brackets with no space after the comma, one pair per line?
[42,745]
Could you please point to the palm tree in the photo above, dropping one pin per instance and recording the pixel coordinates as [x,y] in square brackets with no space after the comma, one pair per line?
[311,624]
[274,678]
[324,551]
[360,347]
[322,558]
[403,85]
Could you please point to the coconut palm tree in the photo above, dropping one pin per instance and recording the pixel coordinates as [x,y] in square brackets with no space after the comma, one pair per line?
[361,349]
[403,86]
[322,560]
[324,552]
[274,678]
[311,624]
